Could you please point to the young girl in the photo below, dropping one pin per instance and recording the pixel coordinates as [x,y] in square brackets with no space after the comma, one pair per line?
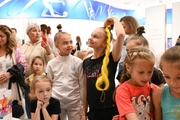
[100,71]
[43,106]
[37,66]
[66,73]
[167,100]
[138,40]
[133,97]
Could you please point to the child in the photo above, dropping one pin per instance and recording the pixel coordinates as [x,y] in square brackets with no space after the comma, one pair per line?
[37,66]
[100,69]
[83,54]
[167,100]
[43,106]
[138,40]
[66,73]
[133,97]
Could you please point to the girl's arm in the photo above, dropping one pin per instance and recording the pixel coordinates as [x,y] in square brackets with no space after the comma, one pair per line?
[85,104]
[156,97]
[131,116]
[118,44]
[46,114]
[36,115]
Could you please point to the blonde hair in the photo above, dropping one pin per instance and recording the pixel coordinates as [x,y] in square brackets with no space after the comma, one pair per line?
[141,53]
[103,79]
[58,35]
[78,39]
[38,78]
[30,26]
[81,54]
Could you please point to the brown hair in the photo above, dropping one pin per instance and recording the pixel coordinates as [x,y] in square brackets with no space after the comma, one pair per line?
[140,39]
[37,57]
[171,56]
[45,29]
[78,39]
[38,78]
[11,41]
[131,22]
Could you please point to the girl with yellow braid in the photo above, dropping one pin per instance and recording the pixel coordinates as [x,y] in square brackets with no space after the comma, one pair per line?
[100,69]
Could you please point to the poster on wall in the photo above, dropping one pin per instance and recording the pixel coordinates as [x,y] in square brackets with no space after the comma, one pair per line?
[74,9]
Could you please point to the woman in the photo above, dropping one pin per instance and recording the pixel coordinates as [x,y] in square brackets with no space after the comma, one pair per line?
[10,55]
[130,25]
[35,47]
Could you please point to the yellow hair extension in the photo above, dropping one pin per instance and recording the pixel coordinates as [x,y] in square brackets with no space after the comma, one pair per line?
[104,71]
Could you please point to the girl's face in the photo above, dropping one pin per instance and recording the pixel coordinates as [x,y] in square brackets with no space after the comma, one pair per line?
[43,91]
[97,39]
[172,77]
[34,34]
[127,29]
[65,45]
[141,71]
[38,66]
[3,38]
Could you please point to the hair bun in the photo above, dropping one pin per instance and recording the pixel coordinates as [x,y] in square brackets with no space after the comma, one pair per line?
[140,30]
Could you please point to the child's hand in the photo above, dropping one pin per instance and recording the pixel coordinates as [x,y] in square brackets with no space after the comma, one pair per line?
[39,104]
[116,117]
[109,21]
[45,105]
[83,117]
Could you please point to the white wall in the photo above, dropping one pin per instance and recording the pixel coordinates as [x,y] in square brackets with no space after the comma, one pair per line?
[75,27]
[175,21]
[156,29]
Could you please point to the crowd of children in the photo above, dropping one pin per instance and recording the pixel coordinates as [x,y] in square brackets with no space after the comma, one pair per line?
[81,86]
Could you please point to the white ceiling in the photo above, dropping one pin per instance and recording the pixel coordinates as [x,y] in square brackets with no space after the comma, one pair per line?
[137,4]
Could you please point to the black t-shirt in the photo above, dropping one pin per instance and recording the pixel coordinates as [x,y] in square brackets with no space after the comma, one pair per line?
[52,108]
[92,68]
[78,46]
[157,77]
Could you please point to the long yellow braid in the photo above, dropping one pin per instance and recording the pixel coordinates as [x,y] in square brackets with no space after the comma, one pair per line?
[103,79]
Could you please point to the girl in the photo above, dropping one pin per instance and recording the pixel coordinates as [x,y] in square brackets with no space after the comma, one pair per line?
[43,106]
[130,25]
[37,66]
[138,40]
[36,47]
[66,73]
[100,71]
[11,55]
[77,47]
[133,97]
[167,100]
